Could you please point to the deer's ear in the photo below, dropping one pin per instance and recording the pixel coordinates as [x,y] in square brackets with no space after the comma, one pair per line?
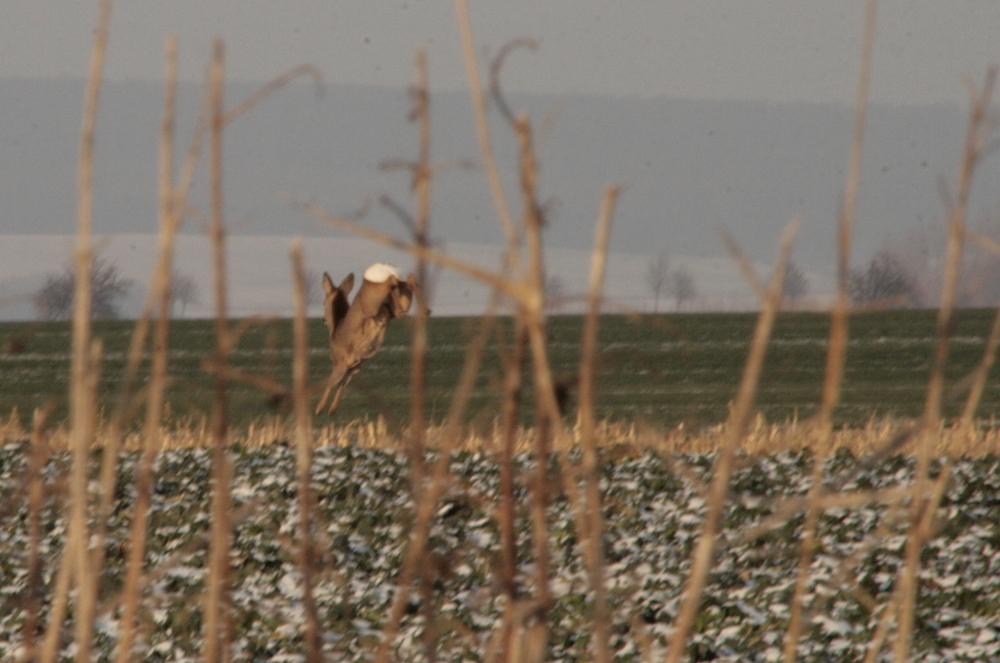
[347,284]
[328,284]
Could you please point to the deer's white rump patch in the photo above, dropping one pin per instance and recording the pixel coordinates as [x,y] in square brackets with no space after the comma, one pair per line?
[381,271]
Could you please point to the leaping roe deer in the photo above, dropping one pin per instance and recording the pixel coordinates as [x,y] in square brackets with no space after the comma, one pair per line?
[357,330]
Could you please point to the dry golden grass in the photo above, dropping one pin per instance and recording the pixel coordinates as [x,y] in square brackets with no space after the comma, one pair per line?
[761,437]
[523,632]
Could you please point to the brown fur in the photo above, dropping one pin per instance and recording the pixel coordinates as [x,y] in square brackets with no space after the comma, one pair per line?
[357,331]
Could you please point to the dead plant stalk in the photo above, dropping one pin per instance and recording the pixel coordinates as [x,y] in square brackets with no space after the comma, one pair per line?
[83,371]
[701,556]
[216,638]
[976,135]
[593,537]
[303,445]
[160,292]
[837,352]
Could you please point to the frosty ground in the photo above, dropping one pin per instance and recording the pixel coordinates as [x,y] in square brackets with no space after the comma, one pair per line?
[652,509]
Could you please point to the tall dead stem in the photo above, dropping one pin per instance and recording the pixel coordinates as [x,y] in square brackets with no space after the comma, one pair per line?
[534,317]
[435,483]
[34,588]
[216,622]
[216,637]
[159,293]
[593,537]
[303,445]
[976,135]
[701,556]
[75,563]
[422,177]
[513,372]
[837,348]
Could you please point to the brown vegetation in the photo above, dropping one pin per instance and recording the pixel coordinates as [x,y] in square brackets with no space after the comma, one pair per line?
[523,633]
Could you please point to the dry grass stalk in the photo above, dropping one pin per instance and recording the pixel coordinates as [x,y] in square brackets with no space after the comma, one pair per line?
[271,87]
[874,441]
[746,267]
[593,537]
[546,417]
[530,301]
[303,445]
[837,348]
[833,375]
[159,293]
[437,480]
[906,591]
[36,495]
[507,571]
[84,362]
[216,637]
[422,177]
[881,632]
[57,609]
[701,556]
[976,135]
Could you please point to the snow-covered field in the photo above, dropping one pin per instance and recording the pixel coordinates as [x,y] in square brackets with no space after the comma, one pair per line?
[259,273]
[652,515]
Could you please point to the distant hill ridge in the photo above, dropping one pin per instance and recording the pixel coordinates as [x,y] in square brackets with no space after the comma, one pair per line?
[689,166]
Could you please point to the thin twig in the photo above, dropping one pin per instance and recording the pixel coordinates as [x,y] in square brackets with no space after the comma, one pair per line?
[272,86]
[743,263]
[483,132]
[509,287]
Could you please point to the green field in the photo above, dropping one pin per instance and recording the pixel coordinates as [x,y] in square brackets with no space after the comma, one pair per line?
[663,369]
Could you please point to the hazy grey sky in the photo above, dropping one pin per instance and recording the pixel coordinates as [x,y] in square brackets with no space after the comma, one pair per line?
[777,50]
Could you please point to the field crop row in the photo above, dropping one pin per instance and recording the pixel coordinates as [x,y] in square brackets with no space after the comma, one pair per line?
[662,369]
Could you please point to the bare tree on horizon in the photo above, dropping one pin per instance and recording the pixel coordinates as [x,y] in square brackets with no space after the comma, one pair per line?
[887,281]
[795,285]
[183,290]
[54,300]
[681,285]
[657,276]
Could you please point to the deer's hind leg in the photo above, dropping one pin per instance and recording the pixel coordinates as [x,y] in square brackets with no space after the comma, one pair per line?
[340,389]
[336,376]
